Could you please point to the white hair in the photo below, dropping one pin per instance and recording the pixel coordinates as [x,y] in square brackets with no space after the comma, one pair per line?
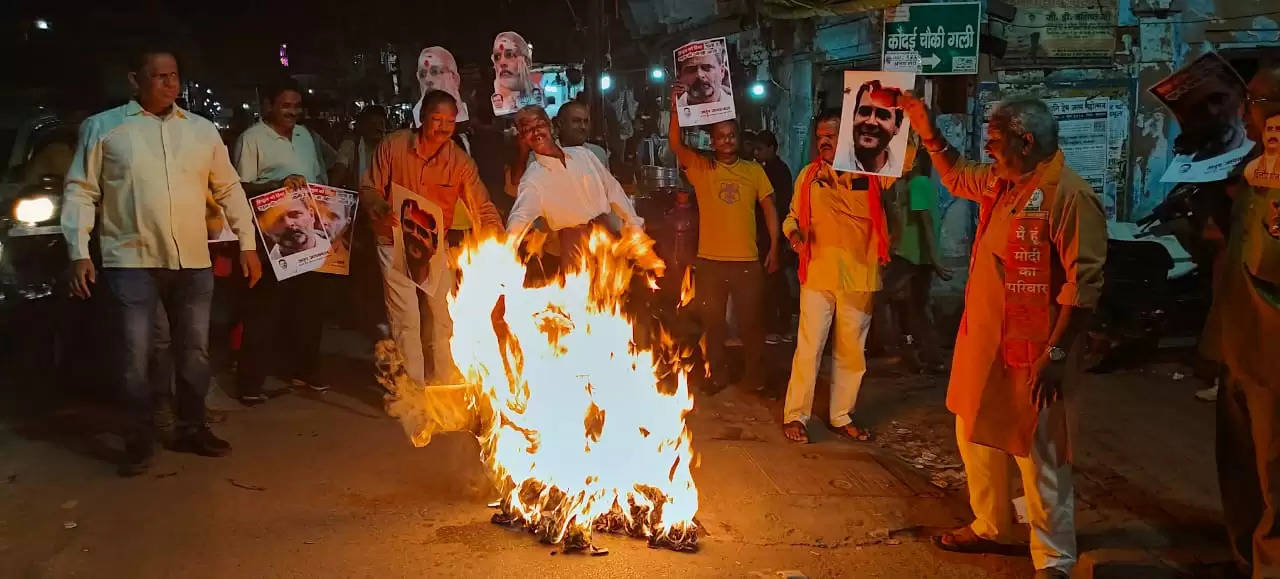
[1020,116]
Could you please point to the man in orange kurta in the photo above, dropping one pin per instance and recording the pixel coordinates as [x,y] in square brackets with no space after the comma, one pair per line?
[1035,272]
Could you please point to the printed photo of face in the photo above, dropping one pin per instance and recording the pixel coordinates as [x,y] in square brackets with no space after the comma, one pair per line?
[294,230]
[510,63]
[703,77]
[876,120]
[418,230]
[1271,136]
[437,70]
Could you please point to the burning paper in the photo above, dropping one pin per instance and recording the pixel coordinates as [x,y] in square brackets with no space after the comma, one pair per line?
[580,428]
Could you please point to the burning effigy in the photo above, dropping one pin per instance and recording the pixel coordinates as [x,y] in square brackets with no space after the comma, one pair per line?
[580,428]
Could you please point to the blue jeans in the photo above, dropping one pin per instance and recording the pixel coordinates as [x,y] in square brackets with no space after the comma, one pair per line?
[186,295]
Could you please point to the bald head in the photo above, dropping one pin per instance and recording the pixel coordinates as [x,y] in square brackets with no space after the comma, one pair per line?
[574,123]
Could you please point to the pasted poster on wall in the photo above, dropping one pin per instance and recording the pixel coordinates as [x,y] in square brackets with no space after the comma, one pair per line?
[702,77]
[1045,31]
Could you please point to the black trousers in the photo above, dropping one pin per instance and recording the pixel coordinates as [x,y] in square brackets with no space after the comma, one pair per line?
[1248,454]
[902,309]
[717,281]
[283,324]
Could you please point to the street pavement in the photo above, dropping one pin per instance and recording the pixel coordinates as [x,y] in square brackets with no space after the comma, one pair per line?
[326,485]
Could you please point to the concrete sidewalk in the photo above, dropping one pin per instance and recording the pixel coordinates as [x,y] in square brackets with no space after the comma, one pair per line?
[328,486]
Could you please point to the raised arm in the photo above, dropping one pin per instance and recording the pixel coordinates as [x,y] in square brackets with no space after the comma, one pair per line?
[684,155]
[963,178]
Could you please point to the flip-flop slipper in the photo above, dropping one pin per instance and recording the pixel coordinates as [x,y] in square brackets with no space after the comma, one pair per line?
[863,435]
[796,424]
[964,540]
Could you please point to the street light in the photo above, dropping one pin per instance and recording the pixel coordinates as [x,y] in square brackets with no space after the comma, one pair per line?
[606,82]
[657,74]
[757,89]
[42,24]
[208,90]
[244,106]
[311,91]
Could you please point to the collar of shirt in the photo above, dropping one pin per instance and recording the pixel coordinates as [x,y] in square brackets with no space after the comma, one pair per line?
[135,108]
[439,154]
[297,132]
[552,163]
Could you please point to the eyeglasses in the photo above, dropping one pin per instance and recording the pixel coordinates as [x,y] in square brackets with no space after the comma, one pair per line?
[880,112]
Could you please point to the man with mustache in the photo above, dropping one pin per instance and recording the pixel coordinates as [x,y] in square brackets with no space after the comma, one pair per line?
[704,77]
[428,162]
[1035,275]
[294,230]
[281,317]
[437,70]
[837,225]
[1265,170]
[876,120]
[573,126]
[511,61]
[566,186]
[1244,321]
[140,174]
[728,189]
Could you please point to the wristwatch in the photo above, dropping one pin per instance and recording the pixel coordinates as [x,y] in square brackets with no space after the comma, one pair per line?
[1057,354]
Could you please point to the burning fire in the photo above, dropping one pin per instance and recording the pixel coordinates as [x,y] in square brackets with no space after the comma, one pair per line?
[580,428]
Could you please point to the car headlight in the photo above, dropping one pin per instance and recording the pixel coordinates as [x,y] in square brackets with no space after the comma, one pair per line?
[34,210]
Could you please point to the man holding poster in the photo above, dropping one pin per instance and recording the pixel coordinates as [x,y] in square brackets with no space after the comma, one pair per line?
[411,192]
[276,158]
[706,94]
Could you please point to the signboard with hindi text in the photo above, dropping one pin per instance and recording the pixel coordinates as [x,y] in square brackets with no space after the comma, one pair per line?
[932,38]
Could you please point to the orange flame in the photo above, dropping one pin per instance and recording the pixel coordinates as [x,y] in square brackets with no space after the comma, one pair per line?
[585,432]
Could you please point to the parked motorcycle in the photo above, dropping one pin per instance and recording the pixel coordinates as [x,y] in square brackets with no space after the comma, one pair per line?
[1157,286]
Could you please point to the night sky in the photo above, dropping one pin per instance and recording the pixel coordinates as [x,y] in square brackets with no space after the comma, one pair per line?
[236,41]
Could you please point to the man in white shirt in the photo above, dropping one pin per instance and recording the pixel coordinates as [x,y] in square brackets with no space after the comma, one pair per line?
[282,319]
[568,187]
[148,165]
[573,123]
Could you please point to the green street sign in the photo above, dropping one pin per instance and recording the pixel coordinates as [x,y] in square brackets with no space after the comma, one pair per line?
[938,38]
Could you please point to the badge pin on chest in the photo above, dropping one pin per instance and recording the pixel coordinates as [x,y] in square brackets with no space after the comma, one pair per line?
[1036,200]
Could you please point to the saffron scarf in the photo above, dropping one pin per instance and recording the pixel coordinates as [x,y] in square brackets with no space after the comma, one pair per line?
[804,209]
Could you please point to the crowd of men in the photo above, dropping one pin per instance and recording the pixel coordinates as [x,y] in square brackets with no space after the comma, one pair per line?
[150,168]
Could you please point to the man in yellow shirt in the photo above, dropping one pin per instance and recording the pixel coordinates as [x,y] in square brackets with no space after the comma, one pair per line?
[838,227]
[727,189]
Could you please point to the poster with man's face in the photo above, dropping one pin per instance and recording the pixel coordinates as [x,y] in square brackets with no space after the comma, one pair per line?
[1207,97]
[437,70]
[421,249]
[702,69]
[1264,171]
[873,126]
[337,209]
[513,86]
[291,231]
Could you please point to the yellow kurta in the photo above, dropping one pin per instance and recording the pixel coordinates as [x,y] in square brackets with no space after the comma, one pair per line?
[993,399]
[843,257]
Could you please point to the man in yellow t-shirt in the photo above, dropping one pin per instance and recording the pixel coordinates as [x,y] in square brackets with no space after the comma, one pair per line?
[728,189]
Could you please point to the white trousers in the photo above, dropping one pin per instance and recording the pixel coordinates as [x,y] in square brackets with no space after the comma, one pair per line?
[852,314]
[1046,481]
[409,319]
